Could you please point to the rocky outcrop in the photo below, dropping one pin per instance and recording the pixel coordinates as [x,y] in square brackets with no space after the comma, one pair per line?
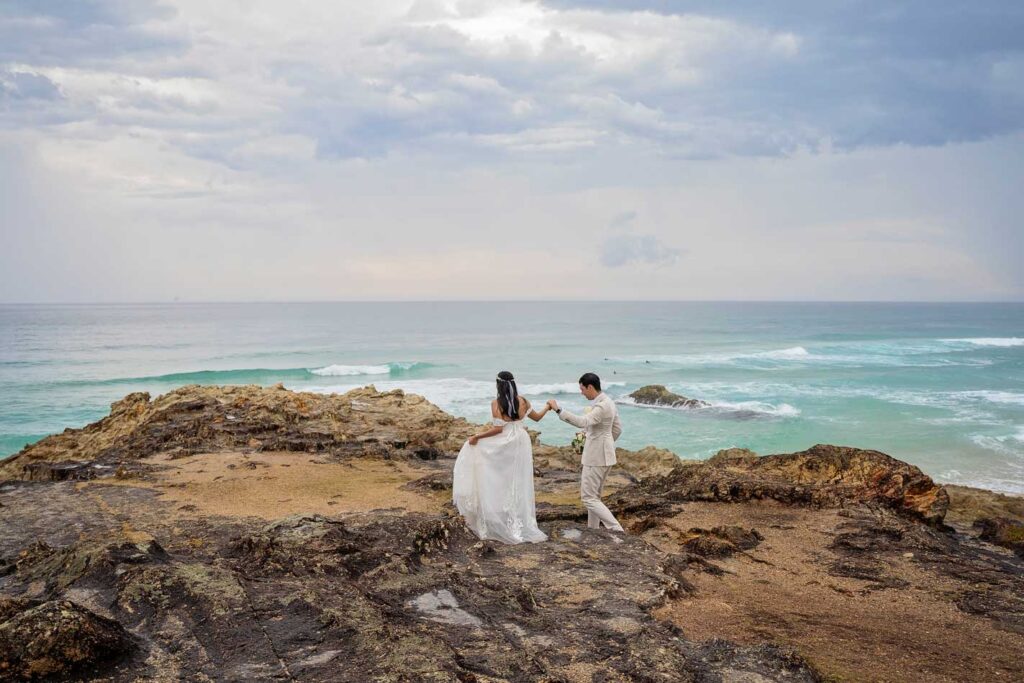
[205,419]
[822,476]
[740,568]
[197,419]
[658,395]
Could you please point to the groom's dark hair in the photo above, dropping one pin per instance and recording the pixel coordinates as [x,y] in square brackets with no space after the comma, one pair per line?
[589,379]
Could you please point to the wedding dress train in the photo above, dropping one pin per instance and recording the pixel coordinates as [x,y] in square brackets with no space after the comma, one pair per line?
[492,486]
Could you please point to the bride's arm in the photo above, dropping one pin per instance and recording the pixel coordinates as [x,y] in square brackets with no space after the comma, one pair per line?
[496,429]
[537,416]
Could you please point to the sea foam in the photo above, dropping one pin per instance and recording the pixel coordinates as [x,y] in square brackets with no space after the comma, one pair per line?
[728,409]
[353,370]
[1008,397]
[558,388]
[990,341]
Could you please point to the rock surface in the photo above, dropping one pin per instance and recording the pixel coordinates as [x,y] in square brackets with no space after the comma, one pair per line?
[1002,531]
[257,534]
[197,419]
[56,639]
[823,476]
[658,395]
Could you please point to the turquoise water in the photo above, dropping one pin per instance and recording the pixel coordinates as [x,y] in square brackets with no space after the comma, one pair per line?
[938,385]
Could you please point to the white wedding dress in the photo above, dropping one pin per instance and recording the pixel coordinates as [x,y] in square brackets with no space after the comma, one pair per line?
[492,486]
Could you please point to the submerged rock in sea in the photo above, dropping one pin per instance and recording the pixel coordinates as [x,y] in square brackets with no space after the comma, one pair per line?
[658,395]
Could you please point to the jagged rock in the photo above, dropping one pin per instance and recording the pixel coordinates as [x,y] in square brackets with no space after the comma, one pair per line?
[57,639]
[658,395]
[823,476]
[1004,532]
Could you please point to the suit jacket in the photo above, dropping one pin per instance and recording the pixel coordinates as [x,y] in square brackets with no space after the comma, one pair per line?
[602,427]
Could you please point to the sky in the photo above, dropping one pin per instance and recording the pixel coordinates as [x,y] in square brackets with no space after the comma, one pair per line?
[254,150]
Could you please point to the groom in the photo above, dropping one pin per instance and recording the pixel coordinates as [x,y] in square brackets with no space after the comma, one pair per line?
[602,428]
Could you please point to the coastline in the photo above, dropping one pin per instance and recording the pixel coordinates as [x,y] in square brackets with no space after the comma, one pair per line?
[259,532]
[938,386]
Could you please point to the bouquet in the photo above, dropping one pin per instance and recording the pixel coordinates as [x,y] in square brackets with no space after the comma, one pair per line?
[580,439]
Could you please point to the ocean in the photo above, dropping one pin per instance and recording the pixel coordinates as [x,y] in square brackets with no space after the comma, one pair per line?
[938,385]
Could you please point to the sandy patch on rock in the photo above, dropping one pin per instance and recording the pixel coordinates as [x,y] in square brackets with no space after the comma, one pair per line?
[781,592]
[274,485]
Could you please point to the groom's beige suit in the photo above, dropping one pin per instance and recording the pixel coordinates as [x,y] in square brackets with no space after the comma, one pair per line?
[602,427]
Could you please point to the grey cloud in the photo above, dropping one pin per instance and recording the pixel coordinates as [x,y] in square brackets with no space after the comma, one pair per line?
[912,75]
[867,74]
[702,80]
[76,32]
[620,250]
[18,85]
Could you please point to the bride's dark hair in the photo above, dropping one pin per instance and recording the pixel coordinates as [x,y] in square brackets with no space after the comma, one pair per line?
[508,394]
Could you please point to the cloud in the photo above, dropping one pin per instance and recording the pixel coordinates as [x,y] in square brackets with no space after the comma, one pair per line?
[22,85]
[409,133]
[478,82]
[620,250]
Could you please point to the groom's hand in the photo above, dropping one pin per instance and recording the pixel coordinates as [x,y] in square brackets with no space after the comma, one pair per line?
[553,404]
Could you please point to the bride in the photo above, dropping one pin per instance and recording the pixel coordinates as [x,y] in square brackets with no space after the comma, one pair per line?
[493,478]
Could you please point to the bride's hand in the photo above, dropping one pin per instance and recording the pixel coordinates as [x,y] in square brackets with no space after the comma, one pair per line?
[473,439]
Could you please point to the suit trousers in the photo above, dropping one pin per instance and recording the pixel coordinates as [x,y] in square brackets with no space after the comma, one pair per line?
[591,482]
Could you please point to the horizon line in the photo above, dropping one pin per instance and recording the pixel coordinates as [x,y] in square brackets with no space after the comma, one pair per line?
[192,302]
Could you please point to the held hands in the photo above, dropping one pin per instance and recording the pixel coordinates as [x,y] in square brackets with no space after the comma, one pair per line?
[552,404]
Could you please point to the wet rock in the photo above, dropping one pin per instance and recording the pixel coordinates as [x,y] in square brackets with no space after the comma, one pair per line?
[58,639]
[658,395]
